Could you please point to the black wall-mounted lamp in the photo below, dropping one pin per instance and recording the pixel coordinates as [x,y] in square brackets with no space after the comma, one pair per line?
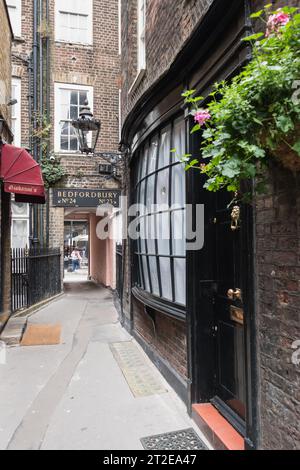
[88,130]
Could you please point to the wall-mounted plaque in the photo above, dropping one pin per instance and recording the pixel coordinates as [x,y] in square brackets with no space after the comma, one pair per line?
[66,197]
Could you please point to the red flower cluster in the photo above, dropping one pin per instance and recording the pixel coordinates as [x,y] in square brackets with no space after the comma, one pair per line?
[276,21]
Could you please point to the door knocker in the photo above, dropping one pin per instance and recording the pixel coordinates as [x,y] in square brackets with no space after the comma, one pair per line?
[235,217]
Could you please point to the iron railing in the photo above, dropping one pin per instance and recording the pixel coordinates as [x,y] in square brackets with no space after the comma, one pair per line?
[36,276]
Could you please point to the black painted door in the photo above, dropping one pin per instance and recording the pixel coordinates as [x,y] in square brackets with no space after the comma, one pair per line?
[230,386]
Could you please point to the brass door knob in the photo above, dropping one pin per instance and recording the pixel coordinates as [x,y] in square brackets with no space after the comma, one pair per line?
[234,294]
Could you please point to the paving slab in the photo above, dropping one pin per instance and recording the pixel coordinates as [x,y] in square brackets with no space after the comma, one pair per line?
[76,395]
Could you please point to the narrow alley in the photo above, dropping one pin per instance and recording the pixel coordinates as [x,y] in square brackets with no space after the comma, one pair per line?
[74,395]
[150,227]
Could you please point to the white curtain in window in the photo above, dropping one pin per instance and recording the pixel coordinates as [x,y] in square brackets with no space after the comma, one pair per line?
[20,233]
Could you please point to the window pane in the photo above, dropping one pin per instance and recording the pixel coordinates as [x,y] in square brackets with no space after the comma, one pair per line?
[154,276]
[64,142]
[179,276]
[164,147]
[178,232]
[165,274]
[163,233]
[73,142]
[74,112]
[142,192]
[150,223]
[82,97]
[178,184]
[179,139]
[143,234]
[140,282]
[20,233]
[150,191]
[74,97]
[145,271]
[162,193]
[19,209]
[152,155]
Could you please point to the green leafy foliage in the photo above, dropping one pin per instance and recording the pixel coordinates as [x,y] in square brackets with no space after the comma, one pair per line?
[52,171]
[255,112]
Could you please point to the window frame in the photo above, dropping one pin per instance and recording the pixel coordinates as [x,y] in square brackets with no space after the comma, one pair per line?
[170,307]
[88,12]
[17,27]
[22,217]
[16,110]
[57,111]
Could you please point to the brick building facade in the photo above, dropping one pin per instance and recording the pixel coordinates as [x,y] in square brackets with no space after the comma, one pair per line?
[5,134]
[192,44]
[76,54]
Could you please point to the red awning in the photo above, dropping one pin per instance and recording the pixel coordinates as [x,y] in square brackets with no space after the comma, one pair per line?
[21,175]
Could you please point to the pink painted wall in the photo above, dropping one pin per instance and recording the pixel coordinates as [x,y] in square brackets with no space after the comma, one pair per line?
[102,256]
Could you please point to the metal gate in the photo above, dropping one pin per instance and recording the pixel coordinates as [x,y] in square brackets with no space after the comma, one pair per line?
[35,276]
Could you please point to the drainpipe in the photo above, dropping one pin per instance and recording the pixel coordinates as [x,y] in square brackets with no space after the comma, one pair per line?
[41,106]
[30,97]
[35,212]
[47,111]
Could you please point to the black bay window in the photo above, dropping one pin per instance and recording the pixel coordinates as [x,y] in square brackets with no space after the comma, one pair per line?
[159,189]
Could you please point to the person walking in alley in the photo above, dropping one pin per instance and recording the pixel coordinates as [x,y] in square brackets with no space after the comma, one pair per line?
[76,258]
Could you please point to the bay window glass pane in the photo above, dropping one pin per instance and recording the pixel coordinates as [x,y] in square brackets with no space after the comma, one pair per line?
[179,140]
[164,147]
[154,275]
[163,233]
[150,191]
[179,277]
[178,184]
[144,161]
[162,193]
[165,273]
[178,232]
[142,193]
[140,275]
[143,234]
[146,276]
[152,155]
[150,221]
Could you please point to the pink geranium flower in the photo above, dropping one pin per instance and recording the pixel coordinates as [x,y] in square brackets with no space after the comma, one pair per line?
[276,21]
[201,116]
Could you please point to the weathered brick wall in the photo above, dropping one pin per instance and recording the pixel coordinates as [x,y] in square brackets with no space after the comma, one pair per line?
[278,303]
[5,113]
[96,65]
[21,50]
[278,309]
[168,338]
[5,63]
[169,25]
